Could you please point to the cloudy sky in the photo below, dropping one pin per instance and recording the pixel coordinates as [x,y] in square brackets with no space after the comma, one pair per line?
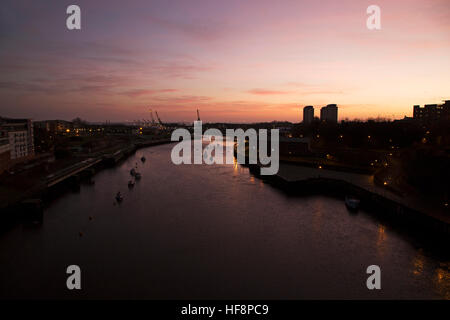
[244,60]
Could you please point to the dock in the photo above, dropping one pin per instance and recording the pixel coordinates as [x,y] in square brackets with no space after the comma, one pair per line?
[409,209]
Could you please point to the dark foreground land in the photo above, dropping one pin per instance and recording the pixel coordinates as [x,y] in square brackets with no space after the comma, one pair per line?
[75,159]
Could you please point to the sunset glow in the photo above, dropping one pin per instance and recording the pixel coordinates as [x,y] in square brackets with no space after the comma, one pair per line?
[240,61]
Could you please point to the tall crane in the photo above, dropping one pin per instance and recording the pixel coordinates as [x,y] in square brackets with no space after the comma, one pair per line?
[151,116]
[157,117]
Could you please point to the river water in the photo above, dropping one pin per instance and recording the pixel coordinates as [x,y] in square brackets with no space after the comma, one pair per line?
[210,231]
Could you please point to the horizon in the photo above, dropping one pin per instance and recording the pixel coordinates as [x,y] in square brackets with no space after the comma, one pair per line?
[258,154]
[133,122]
[251,62]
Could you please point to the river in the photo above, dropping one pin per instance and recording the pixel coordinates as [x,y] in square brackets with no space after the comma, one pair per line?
[210,232]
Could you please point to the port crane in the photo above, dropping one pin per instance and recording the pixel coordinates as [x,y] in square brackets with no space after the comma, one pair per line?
[151,116]
[157,117]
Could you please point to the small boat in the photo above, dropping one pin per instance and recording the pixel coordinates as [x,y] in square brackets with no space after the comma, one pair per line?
[133,172]
[143,159]
[131,184]
[119,197]
[352,203]
[137,176]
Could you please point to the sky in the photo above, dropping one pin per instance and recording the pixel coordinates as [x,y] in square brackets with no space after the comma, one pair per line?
[236,61]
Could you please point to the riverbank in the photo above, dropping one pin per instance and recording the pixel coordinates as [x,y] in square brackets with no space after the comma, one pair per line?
[181,222]
[409,212]
[326,164]
[28,198]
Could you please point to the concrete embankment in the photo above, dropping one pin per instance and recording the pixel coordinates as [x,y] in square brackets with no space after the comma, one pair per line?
[123,153]
[405,211]
[27,204]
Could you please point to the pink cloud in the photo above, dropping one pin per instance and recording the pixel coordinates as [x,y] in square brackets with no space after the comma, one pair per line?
[142,92]
[181,70]
[183,99]
[265,92]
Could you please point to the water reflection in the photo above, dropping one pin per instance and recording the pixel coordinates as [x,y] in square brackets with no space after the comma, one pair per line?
[418,263]
[442,280]
[209,231]
[381,239]
[317,217]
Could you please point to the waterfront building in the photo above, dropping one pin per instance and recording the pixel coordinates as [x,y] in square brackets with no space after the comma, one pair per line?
[432,112]
[55,126]
[446,110]
[5,154]
[308,114]
[295,146]
[329,113]
[20,137]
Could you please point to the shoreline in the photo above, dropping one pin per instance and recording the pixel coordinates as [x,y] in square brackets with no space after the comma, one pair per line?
[28,206]
[380,205]
[31,204]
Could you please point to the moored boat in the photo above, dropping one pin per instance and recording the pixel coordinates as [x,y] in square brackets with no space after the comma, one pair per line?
[352,203]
